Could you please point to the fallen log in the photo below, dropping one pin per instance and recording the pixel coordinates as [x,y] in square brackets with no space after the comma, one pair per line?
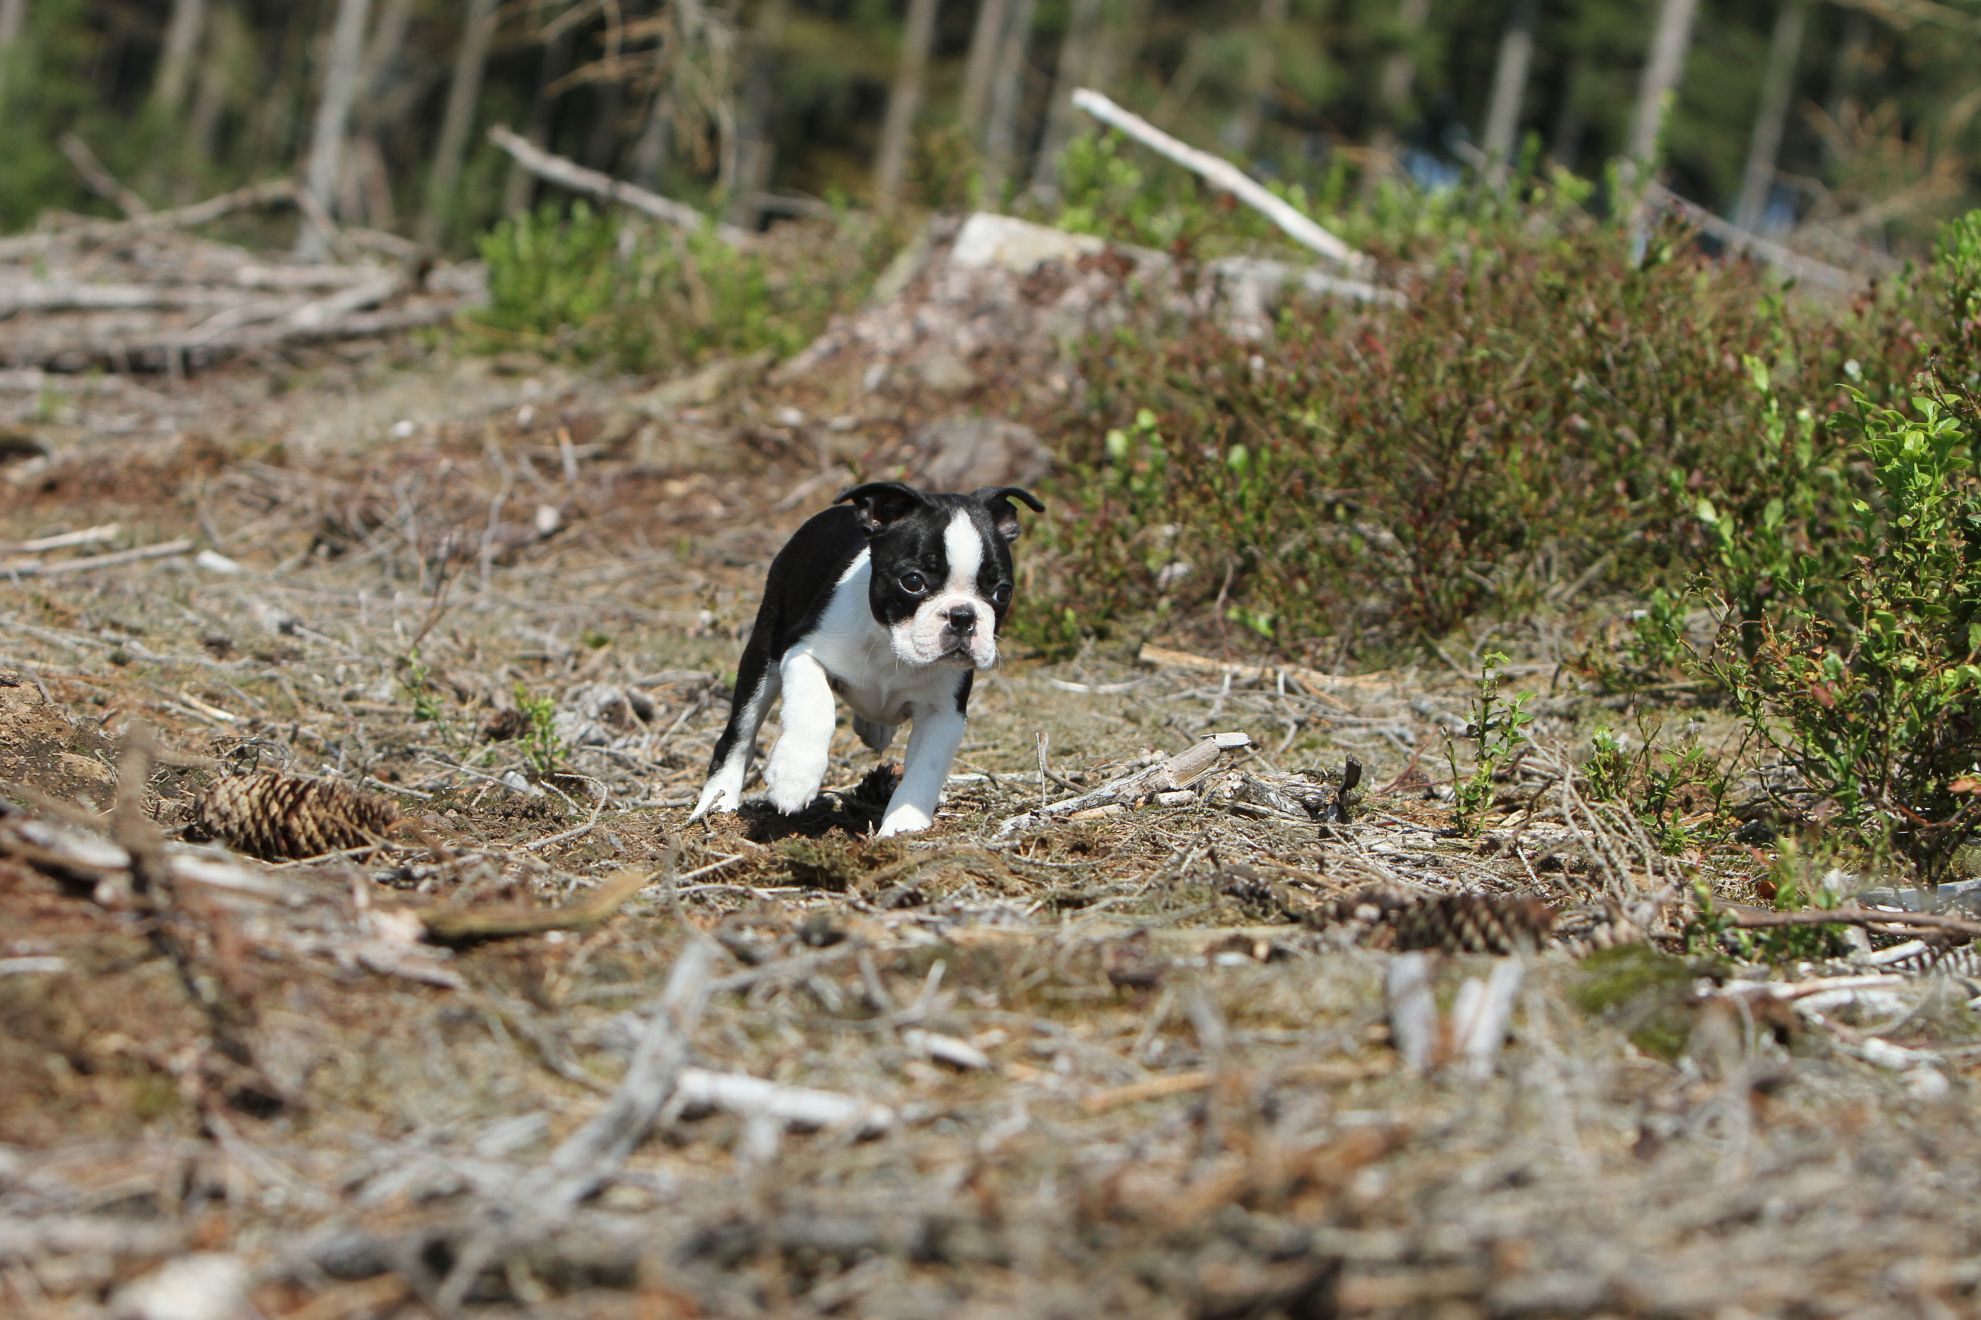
[1223,174]
[569,174]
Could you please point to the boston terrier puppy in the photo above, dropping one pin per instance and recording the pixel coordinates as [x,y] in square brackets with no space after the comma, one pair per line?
[891,598]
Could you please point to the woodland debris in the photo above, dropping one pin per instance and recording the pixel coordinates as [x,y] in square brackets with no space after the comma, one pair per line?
[470,925]
[1311,681]
[1169,774]
[1222,174]
[27,568]
[143,294]
[1468,1036]
[280,817]
[569,174]
[592,1153]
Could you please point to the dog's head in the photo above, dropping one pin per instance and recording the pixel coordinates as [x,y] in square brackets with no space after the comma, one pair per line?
[941,580]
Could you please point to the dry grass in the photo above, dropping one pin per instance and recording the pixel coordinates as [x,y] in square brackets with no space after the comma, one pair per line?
[1131,1064]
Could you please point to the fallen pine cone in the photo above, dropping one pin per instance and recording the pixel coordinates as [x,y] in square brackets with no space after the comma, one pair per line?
[279,817]
[1451,923]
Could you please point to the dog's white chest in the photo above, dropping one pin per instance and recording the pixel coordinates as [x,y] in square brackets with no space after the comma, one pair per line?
[884,702]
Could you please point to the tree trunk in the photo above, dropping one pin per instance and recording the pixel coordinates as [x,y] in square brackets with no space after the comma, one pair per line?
[655,143]
[1400,69]
[986,41]
[226,44]
[333,113]
[1843,75]
[463,95]
[904,101]
[175,61]
[1074,70]
[1764,148]
[1123,26]
[1662,70]
[521,186]
[386,46]
[1393,86]
[1001,143]
[1565,139]
[755,152]
[13,17]
[1241,131]
[1510,82]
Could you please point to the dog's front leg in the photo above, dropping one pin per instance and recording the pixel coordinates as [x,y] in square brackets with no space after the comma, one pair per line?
[797,764]
[931,747]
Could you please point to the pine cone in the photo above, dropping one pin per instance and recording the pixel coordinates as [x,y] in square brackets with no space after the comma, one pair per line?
[1451,923]
[279,817]
[1473,923]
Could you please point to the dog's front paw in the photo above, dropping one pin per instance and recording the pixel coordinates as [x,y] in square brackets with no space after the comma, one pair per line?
[905,820]
[793,780]
[719,794]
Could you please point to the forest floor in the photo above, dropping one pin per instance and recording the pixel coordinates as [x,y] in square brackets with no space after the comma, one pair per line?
[1131,1063]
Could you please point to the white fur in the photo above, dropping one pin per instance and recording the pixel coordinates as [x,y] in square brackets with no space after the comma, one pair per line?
[797,763]
[931,747]
[920,639]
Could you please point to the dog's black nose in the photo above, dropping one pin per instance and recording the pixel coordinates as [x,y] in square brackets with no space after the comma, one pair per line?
[963,618]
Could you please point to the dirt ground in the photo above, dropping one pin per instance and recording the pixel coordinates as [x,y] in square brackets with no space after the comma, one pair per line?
[1134,1062]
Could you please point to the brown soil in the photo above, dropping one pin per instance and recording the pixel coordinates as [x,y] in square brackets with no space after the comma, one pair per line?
[1191,1105]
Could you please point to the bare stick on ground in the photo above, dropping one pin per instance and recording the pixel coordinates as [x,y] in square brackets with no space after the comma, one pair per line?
[589,1155]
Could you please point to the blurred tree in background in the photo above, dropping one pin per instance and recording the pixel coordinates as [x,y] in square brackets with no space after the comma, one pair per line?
[1860,118]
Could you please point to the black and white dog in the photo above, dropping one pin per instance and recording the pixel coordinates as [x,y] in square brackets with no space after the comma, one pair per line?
[891,598]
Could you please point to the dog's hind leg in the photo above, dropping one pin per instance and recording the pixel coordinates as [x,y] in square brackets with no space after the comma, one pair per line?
[757,684]
[873,733]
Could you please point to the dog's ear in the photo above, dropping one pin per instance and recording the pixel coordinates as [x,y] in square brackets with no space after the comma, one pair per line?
[997,499]
[880,504]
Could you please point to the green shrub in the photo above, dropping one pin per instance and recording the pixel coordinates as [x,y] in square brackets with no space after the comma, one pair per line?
[1869,682]
[1957,262]
[594,288]
[1545,409]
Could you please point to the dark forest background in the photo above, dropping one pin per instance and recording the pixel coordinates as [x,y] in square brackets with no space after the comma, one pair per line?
[1857,123]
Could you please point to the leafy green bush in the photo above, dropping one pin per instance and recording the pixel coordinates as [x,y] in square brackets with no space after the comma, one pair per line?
[1870,682]
[592,287]
[1957,262]
[1547,410]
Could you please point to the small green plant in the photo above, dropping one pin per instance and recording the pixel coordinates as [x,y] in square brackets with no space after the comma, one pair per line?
[1496,734]
[1712,929]
[1657,633]
[416,677]
[1664,786]
[1870,682]
[544,751]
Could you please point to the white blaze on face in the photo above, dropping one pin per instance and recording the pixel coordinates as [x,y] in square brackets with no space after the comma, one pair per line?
[918,639]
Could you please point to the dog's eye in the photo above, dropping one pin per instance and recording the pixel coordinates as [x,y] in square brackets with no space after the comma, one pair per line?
[1001,595]
[914,583]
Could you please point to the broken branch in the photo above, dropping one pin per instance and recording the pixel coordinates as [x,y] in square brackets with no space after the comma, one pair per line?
[569,174]
[1223,174]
